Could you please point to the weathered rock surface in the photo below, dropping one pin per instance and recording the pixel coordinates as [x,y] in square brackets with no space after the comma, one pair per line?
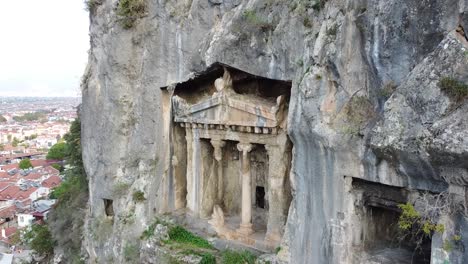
[341,57]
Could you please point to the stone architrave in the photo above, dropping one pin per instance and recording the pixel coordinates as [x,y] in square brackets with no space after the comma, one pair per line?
[246,214]
[277,196]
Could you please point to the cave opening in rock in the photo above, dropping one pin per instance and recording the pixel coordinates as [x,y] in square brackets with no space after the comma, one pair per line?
[382,239]
[260,196]
[108,207]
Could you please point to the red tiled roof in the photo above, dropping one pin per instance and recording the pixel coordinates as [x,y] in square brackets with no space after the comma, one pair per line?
[52,181]
[3,185]
[39,163]
[51,170]
[22,195]
[9,231]
[9,192]
[33,176]
[8,211]
[10,166]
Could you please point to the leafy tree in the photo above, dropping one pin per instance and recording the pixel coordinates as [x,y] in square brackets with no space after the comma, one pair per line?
[25,164]
[15,142]
[40,240]
[2,119]
[31,117]
[72,197]
[2,147]
[57,167]
[57,151]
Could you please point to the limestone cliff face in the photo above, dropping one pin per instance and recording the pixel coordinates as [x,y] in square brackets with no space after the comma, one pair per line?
[365,104]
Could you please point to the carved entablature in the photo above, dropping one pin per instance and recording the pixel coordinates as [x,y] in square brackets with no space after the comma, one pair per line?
[226,109]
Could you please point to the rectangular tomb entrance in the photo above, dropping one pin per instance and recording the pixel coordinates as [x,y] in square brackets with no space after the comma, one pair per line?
[379,238]
[230,132]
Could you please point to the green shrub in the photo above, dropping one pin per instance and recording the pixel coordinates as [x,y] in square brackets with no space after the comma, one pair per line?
[455,89]
[319,4]
[149,231]
[131,253]
[207,257]
[92,4]
[138,196]
[25,164]
[256,20]
[277,250]
[331,31]
[40,240]
[129,11]
[57,151]
[234,257]
[181,235]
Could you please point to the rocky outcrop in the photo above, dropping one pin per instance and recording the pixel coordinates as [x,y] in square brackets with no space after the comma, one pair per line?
[365,104]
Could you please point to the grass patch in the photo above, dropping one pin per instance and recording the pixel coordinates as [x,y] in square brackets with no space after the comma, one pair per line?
[234,257]
[256,20]
[181,235]
[455,89]
[138,196]
[129,11]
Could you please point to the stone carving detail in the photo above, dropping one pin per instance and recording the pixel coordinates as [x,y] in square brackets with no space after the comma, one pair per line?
[245,122]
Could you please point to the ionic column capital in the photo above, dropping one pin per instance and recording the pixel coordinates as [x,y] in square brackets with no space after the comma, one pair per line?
[218,145]
[244,147]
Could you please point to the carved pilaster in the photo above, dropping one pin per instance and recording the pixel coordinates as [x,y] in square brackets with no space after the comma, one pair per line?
[218,155]
[278,163]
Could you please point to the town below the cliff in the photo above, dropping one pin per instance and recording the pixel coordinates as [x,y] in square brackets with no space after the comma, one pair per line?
[32,153]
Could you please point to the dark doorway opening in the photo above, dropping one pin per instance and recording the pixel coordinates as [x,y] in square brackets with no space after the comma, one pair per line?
[260,196]
[108,207]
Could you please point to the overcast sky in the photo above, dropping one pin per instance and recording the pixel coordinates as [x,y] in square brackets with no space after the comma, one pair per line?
[43,47]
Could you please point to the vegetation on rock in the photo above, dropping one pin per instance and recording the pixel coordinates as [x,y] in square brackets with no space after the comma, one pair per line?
[66,219]
[235,257]
[39,238]
[138,196]
[92,4]
[181,235]
[129,11]
[256,20]
[455,89]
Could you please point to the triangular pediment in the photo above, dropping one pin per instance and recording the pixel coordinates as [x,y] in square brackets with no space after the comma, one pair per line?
[228,109]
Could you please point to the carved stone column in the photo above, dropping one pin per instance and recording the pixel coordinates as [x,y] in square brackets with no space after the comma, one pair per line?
[278,160]
[218,155]
[190,194]
[246,216]
[193,170]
